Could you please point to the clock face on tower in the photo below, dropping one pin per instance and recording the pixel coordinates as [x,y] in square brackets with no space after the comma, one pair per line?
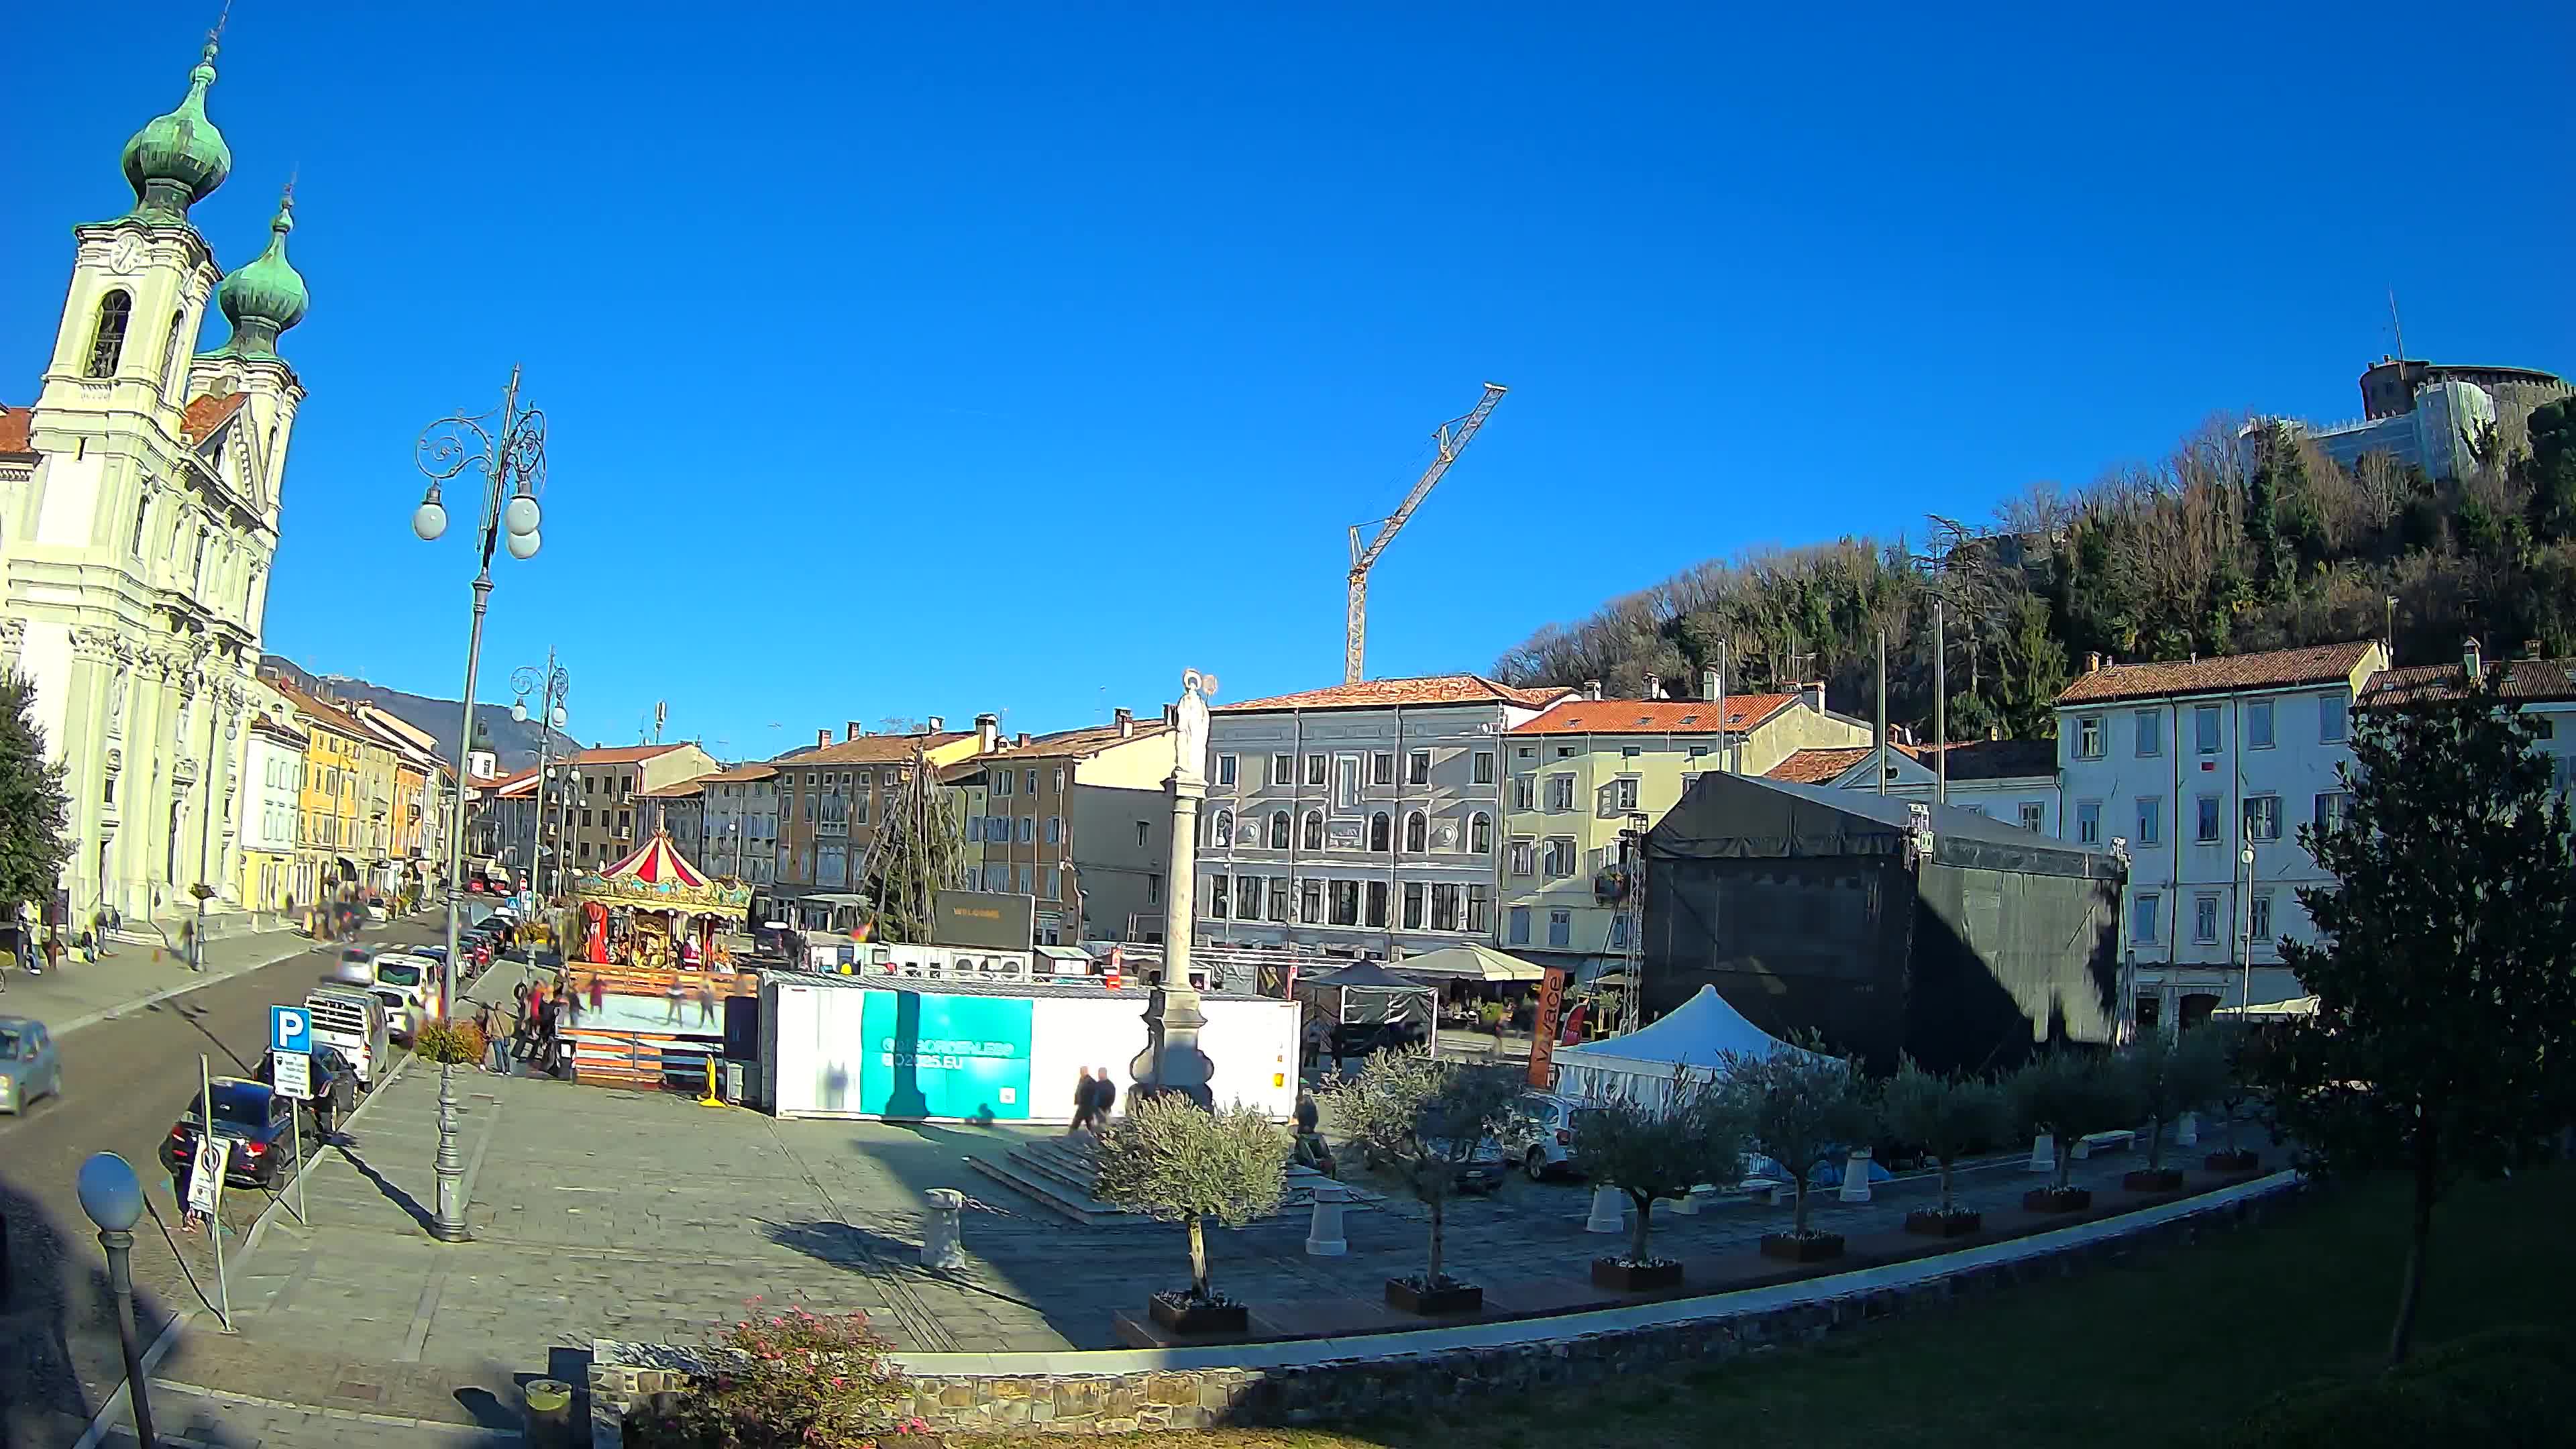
[127,257]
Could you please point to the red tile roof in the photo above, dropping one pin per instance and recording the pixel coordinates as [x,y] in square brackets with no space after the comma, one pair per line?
[329,716]
[1387,693]
[205,414]
[740,774]
[1654,716]
[2226,673]
[1825,766]
[681,791]
[13,430]
[873,749]
[1080,743]
[2525,681]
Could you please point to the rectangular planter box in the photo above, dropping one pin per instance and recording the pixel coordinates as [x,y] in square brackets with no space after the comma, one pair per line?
[2050,1200]
[1618,1277]
[1455,1298]
[2241,1161]
[1934,1224]
[1816,1249]
[1179,1315]
[2153,1179]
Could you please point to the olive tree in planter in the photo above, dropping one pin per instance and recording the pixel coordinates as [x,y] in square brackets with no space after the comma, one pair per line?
[2237,1050]
[1659,1148]
[2166,1077]
[1947,1117]
[1798,1105]
[1171,1159]
[1426,1120]
[2068,1094]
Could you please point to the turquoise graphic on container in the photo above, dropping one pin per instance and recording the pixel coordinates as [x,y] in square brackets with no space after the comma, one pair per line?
[965,1057]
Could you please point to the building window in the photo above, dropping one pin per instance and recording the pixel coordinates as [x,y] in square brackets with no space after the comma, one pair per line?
[107,338]
[1417,768]
[1316,765]
[1247,898]
[1484,774]
[2204,729]
[1416,832]
[1283,769]
[1057,782]
[2204,919]
[2262,817]
[1153,888]
[1225,768]
[1698,752]
[997,877]
[2088,737]
[1619,931]
[1559,861]
[2143,912]
[2088,822]
[1216,897]
[1346,902]
[142,520]
[1560,793]
[1279,898]
[1381,836]
[1313,834]
[2205,822]
[1278,830]
[1560,928]
[1444,908]
[1623,793]
[1055,829]
[1346,782]
[2034,815]
[2330,719]
[2151,733]
[1028,778]
[1521,854]
[1028,830]
[1524,792]
[2330,809]
[2258,724]
[2259,915]
[1413,905]
[1480,908]
[1382,768]
[1376,903]
[2151,820]
[1517,932]
[1480,833]
[1003,781]
[1310,902]
[1221,832]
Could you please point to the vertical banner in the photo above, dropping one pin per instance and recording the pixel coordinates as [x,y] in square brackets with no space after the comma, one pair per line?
[1551,1002]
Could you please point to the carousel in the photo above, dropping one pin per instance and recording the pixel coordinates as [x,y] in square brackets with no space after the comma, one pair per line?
[655,911]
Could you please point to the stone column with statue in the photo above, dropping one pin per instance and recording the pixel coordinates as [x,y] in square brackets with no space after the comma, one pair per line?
[1172,1061]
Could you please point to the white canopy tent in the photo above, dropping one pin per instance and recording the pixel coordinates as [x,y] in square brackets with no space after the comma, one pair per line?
[1698,1035]
[1466,962]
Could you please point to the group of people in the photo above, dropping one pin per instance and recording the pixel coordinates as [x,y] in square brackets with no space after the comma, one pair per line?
[1095,1097]
[531,1029]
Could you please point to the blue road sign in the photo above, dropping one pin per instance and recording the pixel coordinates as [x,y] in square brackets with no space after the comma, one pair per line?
[290,1029]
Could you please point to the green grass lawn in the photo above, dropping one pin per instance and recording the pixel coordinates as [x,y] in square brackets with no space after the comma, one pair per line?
[2168,1349]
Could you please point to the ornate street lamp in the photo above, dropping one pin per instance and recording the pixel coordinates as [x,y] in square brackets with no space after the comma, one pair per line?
[508,448]
[549,685]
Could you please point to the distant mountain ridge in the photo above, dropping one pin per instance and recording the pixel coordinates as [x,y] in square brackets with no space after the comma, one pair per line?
[514,743]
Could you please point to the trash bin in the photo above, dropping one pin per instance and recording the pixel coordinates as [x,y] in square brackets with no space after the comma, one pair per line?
[736,1080]
[547,1421]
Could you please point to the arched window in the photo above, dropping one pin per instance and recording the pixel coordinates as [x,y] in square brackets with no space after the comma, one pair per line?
[1278,830]
[1417,830]
[170,354]
[142,520]
[1480,833]
[1221,834]
[107,342]
[1381,832]
[1314,831]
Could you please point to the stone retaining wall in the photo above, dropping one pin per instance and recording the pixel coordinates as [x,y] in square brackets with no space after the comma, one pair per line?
[1409,1377]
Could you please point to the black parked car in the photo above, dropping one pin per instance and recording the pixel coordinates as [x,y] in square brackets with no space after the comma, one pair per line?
[335,1084]
[256,1120]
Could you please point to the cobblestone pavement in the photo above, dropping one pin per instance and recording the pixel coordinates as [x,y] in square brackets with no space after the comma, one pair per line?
[186,1417]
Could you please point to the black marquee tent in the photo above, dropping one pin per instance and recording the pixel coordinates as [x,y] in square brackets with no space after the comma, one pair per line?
[1891,927]
[1367,994]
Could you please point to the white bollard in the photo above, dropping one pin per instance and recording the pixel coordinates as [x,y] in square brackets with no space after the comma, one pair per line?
[1856,1176]
[942,1241]
[2187,1130]
[1607,1211]
[2043,1153]
[1324,1237]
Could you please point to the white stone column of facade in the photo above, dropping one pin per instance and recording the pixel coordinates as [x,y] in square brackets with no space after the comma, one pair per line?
[1189,787]
[91,749]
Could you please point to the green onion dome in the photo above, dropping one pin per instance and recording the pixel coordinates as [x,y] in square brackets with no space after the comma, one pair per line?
[175,160]
[265,297]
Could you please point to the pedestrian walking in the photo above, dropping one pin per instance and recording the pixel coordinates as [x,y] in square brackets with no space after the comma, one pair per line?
[1083,1103]
[706,1003]
[598,993]
[672,996]
[1104,1099]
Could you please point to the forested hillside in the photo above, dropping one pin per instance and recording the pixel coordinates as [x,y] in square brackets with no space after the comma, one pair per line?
[2222,548]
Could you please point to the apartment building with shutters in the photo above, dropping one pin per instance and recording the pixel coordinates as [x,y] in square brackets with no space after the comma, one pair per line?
[1078,820]
[604,808]
[831,799]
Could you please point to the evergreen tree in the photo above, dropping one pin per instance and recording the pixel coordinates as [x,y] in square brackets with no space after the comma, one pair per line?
[2444,963]
[917,851]
[2030,668]
[33,809]
[2549,470]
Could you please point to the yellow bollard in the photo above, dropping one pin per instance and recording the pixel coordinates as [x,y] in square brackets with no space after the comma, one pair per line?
[711,1099]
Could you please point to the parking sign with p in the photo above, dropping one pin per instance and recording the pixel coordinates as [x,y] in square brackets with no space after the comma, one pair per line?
[290,1029]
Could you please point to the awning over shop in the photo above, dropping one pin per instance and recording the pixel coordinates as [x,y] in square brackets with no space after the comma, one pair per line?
[2272,1010]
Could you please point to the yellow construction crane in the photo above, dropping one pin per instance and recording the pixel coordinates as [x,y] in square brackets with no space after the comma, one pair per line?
[1449,440]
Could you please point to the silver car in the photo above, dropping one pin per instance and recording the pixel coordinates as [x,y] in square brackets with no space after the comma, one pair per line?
[29,1065]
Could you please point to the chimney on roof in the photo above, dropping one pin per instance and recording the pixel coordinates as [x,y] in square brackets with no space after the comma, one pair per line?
[1126,719]
[822,738]
[2472,662]
[1023,740]
[2530,648]
[988,729]
[1814,694]
[936,724]
[2092,661]
[1708,684]
[1654,686]
[1592,689]
[854,731]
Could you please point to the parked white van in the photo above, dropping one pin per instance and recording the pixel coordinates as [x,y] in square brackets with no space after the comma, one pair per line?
[352,1019]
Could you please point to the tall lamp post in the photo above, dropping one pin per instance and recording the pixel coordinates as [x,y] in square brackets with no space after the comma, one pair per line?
[549,685]
[2245,934]
[113,1197]
[508,448]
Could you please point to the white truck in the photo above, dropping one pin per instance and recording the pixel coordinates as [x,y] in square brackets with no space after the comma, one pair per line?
[352,1019]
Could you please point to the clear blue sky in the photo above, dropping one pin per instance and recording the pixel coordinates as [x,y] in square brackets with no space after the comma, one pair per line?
[927,359]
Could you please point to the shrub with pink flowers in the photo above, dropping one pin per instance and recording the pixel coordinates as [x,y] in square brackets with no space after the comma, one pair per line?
[787,1380]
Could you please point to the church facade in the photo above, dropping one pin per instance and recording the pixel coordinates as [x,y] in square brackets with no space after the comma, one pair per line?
[136,545]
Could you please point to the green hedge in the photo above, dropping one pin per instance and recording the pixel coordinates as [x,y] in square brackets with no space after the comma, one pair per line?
[2497,1389]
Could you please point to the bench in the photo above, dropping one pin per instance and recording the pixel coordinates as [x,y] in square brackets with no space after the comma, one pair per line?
[2121,1140]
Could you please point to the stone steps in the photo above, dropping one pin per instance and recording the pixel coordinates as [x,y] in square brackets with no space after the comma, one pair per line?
[1050,1184]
